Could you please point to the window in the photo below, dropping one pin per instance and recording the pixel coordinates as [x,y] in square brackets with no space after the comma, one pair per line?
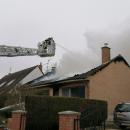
[74,92]
[66,92]
[78,92]
[122,108]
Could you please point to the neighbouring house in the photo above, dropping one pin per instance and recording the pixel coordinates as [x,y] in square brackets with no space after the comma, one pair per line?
[49,74]
[17,79]
[109,81]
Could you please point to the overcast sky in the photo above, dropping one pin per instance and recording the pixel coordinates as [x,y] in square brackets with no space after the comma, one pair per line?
[81,26]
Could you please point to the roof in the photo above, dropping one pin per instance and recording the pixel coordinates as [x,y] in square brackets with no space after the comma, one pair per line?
[83,76]
[50,75]
[12,79]
[118,58]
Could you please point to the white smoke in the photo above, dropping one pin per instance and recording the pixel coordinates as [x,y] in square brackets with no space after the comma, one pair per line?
[118,38]
[77,62]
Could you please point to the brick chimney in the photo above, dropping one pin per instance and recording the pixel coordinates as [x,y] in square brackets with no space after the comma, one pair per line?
[105,53]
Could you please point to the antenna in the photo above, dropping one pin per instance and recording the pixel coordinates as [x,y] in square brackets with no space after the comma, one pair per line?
[17,91]
[48,65]
[10,70]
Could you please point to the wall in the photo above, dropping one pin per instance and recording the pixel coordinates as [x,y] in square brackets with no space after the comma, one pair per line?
[69,120]
[111,84]
[18,120]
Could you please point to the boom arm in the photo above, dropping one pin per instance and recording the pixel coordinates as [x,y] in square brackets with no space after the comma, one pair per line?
[10,51]
[45,49]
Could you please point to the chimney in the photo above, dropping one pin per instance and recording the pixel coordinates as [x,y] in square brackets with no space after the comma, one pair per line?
[40,66]
[53,69]
[105,53]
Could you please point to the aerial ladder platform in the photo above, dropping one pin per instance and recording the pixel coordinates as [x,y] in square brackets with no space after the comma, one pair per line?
[45,48]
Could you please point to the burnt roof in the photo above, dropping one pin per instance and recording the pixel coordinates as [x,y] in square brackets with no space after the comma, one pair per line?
[80,77]
[85,75]
[13,79]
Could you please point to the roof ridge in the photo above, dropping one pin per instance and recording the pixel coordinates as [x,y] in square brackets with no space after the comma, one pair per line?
[19,71]
[13,79]
[120,56]
[99,68]
[112,60]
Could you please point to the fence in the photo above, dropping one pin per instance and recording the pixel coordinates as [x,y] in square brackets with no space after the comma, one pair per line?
[92,116]
[76,124]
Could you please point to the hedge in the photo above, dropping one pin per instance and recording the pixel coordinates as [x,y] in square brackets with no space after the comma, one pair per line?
[3,98]
[42,111]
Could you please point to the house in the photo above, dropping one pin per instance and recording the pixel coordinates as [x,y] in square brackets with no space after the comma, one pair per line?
[20,78]
[109,81]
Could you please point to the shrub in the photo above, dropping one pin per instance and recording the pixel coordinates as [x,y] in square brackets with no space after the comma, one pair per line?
[42,111]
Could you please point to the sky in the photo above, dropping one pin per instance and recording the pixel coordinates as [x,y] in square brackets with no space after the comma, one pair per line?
[80,26]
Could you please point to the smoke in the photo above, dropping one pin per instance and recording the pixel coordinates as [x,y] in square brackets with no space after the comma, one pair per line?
[76,62]
[118,38]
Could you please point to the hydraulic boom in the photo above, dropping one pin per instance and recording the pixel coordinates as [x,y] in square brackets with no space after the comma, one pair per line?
[45,48]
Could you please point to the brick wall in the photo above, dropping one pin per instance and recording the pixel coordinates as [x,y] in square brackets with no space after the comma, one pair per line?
[66,120]
[111,84]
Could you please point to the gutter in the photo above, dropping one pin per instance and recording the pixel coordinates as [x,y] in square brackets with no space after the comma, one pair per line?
[57,82]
